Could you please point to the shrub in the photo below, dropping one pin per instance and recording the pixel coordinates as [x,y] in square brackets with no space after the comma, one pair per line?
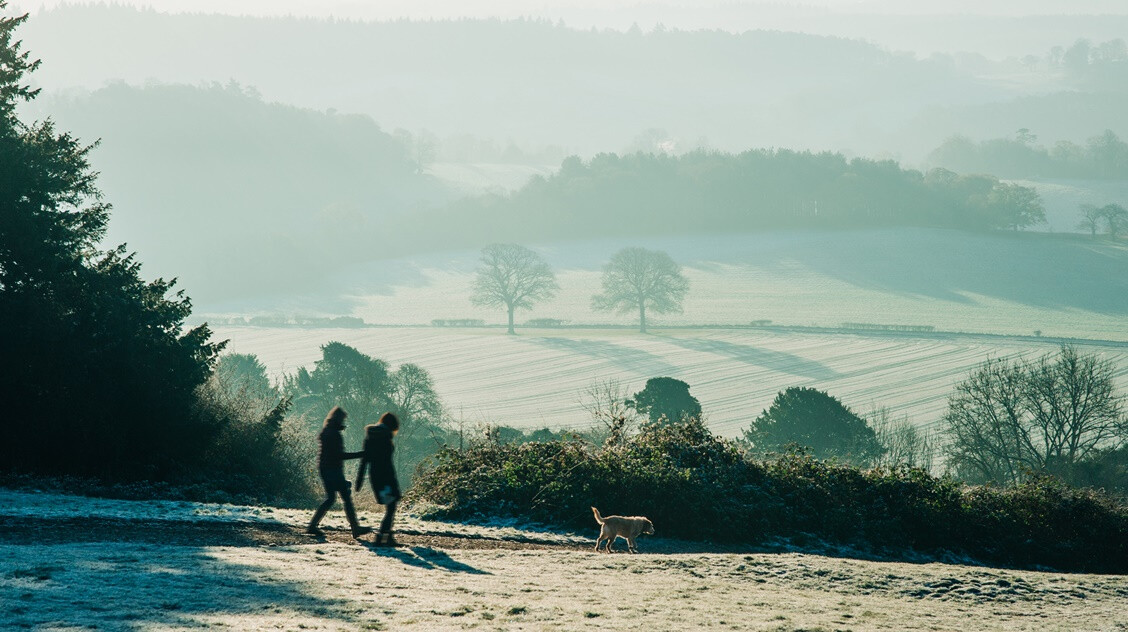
[694,485]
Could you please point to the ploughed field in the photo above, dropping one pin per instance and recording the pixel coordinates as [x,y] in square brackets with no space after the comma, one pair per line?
[77,563]
[1003,284]
[537,378]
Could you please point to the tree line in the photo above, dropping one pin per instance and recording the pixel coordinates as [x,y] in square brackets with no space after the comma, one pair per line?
[713,192]
[1101,157]
[1058,415]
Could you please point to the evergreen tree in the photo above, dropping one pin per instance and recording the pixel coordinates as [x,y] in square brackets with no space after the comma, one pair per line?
[817,420]
[101,374]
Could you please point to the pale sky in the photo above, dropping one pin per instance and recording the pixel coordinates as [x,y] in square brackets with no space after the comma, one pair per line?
[604,13]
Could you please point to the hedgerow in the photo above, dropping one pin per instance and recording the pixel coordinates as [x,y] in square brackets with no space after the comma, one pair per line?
[696,486]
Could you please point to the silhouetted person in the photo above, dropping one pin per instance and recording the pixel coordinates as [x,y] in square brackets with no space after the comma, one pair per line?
[331,465]
[377,460]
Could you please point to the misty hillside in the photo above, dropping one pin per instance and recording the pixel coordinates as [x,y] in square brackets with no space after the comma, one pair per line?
[1066,116]
[211,180]
[1068,286]
[711,192]
[245,200]
[532,81]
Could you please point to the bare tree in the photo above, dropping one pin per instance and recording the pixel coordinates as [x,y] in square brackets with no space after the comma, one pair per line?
[984,425]
[1091,217]
[413,395]
[606,402]
[513,277]
[1073,407]
[423,427]
[641,279]
[1044,416]
[1116,218]
[904,443]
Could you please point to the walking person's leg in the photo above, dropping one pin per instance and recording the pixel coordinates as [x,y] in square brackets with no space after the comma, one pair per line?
[350,513]
[386,524]
[323,508]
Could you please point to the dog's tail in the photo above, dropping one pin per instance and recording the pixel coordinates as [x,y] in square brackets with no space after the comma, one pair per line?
[598,518]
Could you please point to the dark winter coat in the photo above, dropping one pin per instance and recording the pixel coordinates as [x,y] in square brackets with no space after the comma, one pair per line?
[332,456]
[376,461]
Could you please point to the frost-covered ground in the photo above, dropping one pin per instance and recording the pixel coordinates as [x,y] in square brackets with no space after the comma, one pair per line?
[116,584]
[536,379]
[50,506]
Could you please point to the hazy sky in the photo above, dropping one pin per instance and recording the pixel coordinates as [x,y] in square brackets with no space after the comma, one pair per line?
[606,13]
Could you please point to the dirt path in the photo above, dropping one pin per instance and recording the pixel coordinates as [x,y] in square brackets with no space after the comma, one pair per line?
[195,533]
[173,532]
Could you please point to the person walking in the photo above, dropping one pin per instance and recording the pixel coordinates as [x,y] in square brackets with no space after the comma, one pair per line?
[331,465]
[377,460]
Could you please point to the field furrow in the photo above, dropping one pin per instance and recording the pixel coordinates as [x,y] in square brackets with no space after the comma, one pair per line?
[537,378]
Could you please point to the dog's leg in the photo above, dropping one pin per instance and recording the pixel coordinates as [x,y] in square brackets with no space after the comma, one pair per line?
[631,545]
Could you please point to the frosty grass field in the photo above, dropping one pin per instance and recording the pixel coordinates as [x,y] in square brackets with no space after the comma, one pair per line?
[116,583]
[536,379]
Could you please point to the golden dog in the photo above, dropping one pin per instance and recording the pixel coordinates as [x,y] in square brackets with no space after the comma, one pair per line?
[626,527]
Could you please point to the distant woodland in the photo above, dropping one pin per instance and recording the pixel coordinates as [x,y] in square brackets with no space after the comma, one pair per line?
[711,192]
[1101,157]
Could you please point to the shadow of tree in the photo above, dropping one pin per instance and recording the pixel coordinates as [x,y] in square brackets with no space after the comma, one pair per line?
[642,363]
[129,586]
[1036,270]
[774,360]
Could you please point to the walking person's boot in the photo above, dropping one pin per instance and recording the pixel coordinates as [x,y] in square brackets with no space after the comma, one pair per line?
[387,539]
[313,529]
[350,513]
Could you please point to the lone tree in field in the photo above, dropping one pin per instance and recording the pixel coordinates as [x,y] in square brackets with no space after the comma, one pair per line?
[817,420]
[1116,217]
[1049,415]
[637,278]
[1091,217]
[1016,206]
[666,399]
[514,277]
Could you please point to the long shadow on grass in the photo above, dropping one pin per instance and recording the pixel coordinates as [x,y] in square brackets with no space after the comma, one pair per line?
[118,585]
[774,360]
[1037,270]
[425,558]
[624,358]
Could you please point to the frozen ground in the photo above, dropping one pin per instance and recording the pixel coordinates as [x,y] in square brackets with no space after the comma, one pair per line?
[119,580]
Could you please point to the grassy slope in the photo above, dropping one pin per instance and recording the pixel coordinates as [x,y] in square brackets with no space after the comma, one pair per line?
[1005,283]
[535,379]
[1009,284]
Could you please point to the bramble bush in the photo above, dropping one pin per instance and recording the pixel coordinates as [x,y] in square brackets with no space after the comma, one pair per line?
[696,486]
